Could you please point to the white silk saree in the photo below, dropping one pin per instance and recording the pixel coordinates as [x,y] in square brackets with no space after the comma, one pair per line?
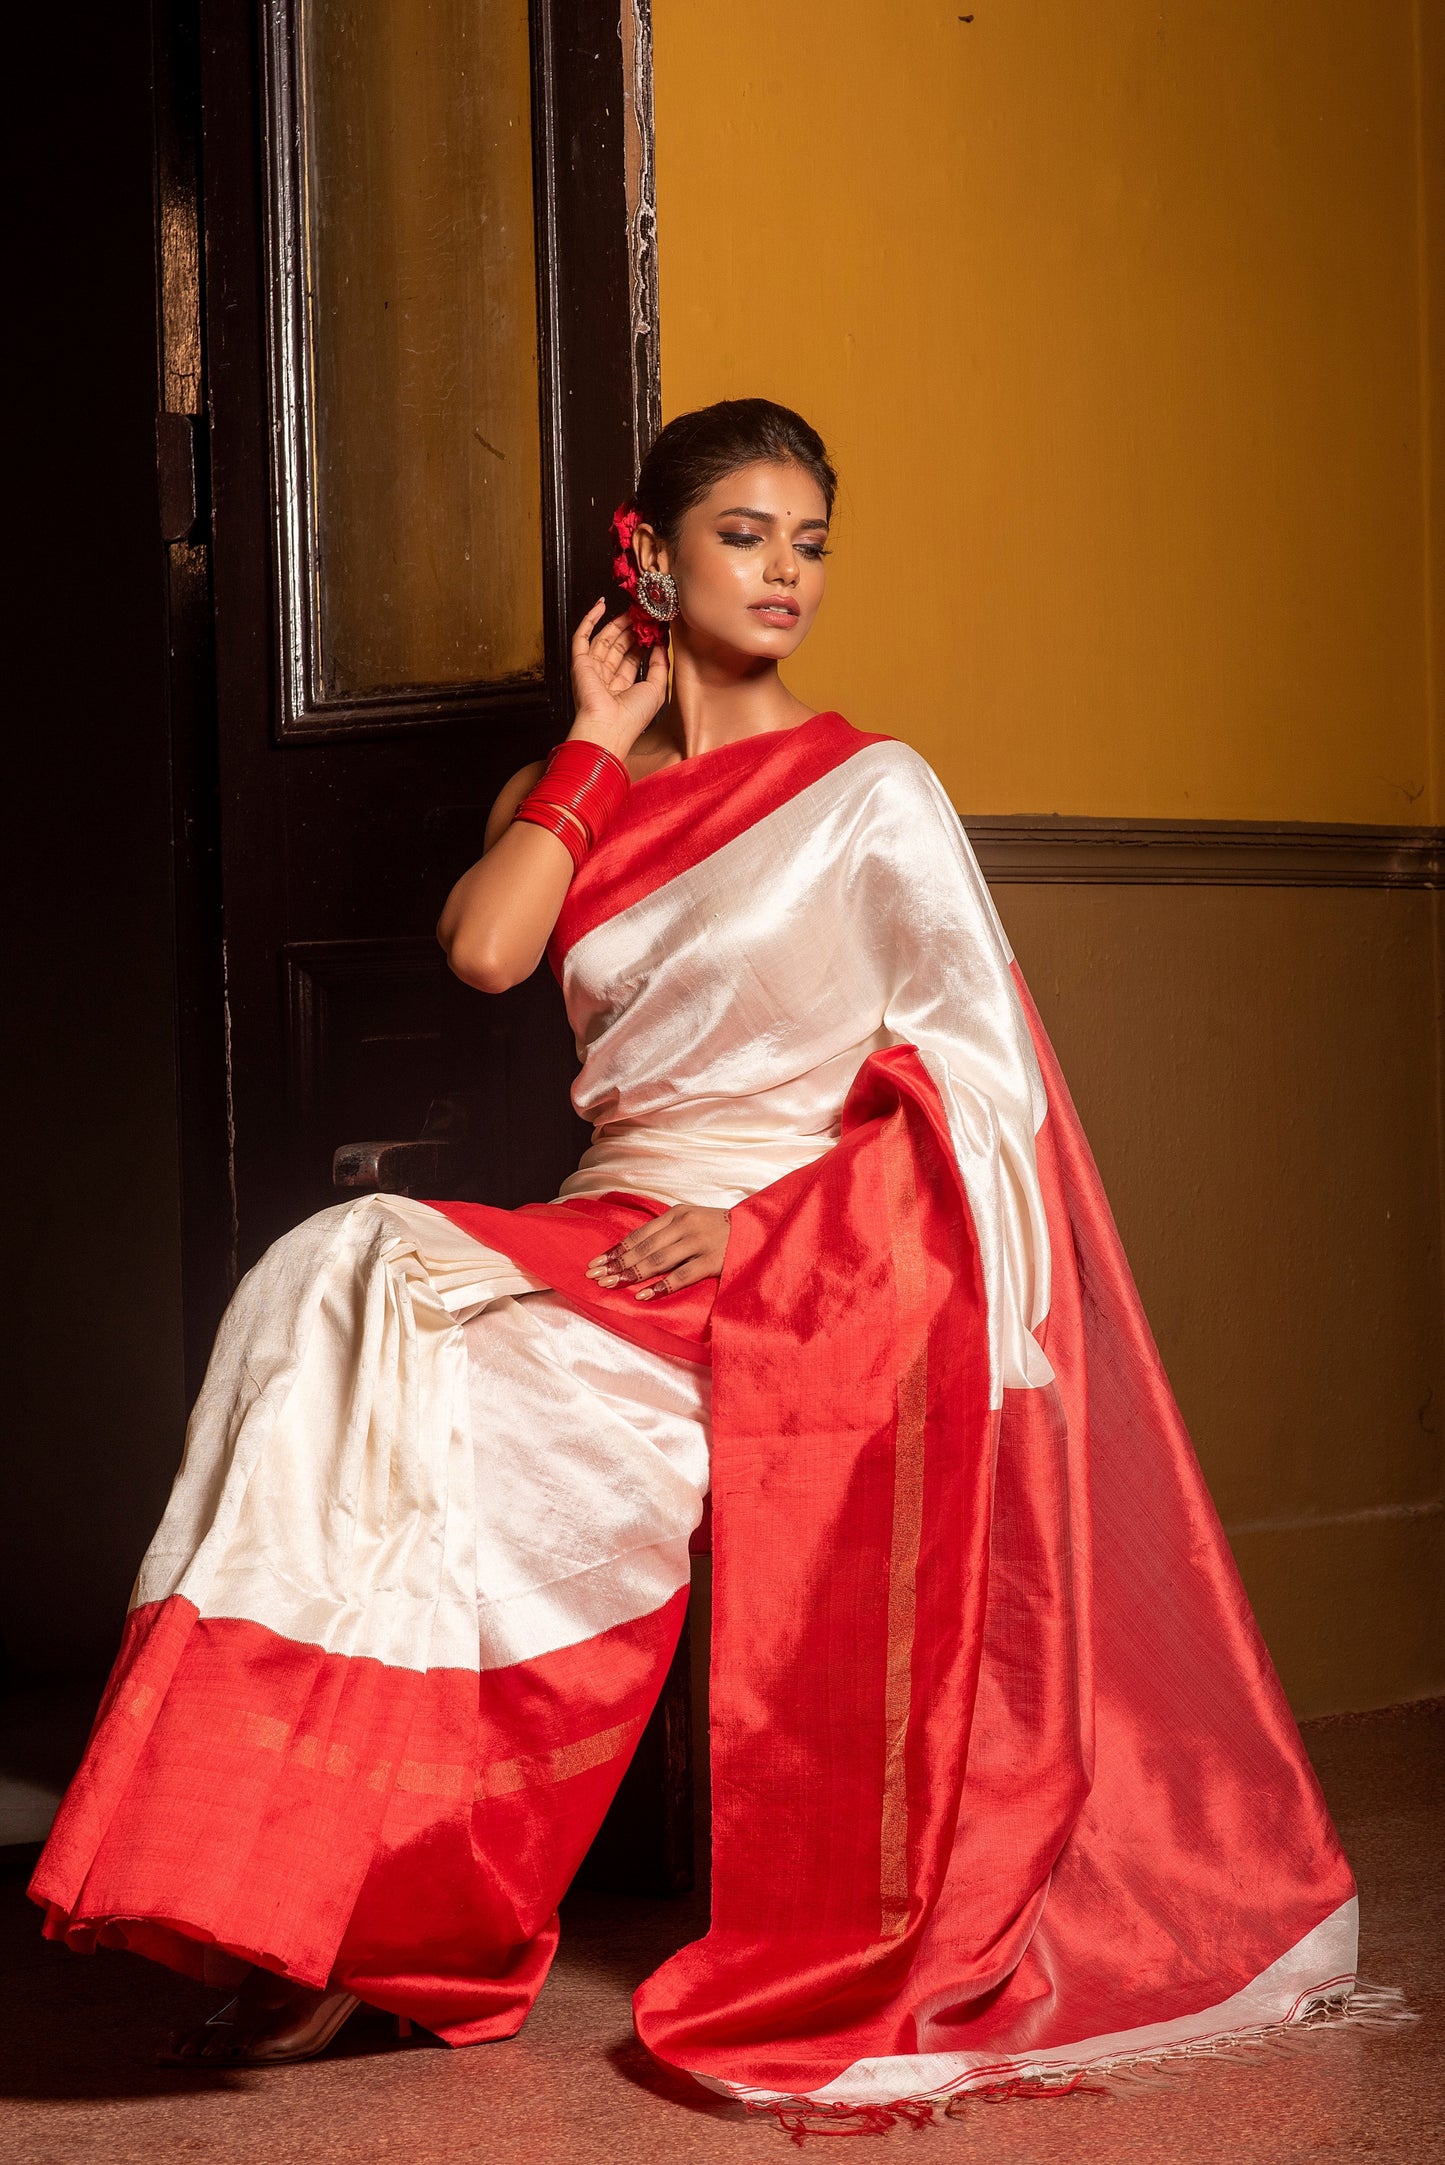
[1004,1784]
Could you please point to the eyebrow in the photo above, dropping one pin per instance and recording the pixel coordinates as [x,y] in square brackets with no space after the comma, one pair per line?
[749,511]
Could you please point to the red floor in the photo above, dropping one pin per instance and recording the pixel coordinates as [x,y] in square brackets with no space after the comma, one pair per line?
[76,2083]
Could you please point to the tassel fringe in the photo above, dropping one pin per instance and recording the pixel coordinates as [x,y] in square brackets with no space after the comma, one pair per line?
[1364,2007]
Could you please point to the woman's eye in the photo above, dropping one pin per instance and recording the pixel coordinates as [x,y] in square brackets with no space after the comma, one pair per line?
[814,551]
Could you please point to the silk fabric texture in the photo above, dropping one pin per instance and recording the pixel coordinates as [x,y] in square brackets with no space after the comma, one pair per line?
[1004,1783]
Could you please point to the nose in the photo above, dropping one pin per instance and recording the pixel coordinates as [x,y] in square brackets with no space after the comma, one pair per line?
[783,571]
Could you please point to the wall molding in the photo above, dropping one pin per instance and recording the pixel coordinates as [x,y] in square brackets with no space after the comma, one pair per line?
[1033,849]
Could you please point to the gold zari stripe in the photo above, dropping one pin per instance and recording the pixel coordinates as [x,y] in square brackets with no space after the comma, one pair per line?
[507,1776]
[911,1289]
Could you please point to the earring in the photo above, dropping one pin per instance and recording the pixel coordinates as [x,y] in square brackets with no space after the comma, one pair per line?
[657,591]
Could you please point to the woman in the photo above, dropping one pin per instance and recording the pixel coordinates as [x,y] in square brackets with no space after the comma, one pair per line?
[1005,1785]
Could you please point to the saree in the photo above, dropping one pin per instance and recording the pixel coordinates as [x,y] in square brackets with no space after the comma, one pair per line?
[1005,1786]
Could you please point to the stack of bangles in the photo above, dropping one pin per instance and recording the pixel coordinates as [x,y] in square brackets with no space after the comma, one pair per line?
[578,797]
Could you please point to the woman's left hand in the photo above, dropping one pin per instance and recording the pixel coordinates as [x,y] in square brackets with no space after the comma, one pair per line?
[684,1245]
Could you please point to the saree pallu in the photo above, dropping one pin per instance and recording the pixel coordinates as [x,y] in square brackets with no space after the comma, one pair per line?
[1004,1783]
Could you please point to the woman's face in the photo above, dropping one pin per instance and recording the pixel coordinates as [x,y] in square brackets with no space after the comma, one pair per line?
[748,561]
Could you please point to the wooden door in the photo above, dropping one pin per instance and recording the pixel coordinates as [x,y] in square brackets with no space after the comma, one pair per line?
[406,368]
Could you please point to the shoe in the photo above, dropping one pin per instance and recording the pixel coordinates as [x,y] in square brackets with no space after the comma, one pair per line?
[260,2036]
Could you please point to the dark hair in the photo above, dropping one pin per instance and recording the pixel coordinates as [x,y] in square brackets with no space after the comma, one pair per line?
[695,451]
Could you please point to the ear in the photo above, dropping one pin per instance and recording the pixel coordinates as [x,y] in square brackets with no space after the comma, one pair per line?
[651,553]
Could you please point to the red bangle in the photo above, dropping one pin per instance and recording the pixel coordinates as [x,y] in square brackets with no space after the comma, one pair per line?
[560,823]
[578,797]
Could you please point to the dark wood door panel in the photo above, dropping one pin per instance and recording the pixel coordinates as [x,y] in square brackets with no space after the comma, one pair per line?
[312,861]
[344,843]
[364,1042]
[382,1043]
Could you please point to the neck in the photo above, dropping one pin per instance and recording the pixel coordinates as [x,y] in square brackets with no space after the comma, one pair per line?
[717,699]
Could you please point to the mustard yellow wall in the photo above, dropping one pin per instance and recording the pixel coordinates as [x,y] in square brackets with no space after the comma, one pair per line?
[1112,315]
[1122,321]
[1430,28]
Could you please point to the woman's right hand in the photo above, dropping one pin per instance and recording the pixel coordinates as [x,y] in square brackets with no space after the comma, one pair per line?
[614,704]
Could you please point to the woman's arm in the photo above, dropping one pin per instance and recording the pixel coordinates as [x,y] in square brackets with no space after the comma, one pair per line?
[498,918]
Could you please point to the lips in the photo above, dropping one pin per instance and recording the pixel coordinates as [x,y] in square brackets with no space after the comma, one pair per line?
[788,609]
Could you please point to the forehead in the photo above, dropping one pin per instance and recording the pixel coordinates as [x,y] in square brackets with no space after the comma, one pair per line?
[777,486]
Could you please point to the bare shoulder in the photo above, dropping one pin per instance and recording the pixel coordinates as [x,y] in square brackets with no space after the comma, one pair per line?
[504,811]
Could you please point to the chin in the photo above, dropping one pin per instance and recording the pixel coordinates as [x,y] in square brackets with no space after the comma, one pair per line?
[759,642]
[770,640]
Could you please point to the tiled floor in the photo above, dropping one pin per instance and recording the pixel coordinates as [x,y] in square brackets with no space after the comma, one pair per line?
[77,2085]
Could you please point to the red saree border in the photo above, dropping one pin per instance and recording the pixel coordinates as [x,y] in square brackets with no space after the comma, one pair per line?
[556,1242]
[429,1819]
[675,818]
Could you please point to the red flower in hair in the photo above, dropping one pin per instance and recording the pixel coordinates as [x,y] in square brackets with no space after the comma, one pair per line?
[625,521]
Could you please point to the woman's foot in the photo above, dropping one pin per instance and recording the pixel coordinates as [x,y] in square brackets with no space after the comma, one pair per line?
[271,2020]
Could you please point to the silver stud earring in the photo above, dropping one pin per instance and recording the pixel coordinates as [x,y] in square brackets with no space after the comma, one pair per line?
[657,591]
